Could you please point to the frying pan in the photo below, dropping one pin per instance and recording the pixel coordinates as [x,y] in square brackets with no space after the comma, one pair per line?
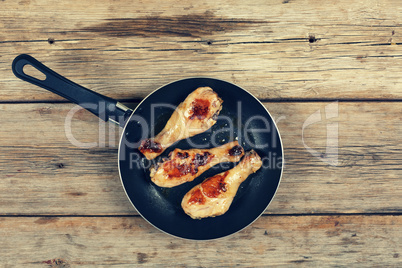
[243,117]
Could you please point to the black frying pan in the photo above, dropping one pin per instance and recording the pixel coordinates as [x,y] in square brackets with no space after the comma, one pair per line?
[242,117]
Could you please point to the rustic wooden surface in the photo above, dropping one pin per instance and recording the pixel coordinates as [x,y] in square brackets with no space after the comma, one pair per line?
[63,206]
[286,241]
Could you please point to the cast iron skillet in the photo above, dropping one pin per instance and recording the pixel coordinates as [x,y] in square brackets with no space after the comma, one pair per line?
[242,117]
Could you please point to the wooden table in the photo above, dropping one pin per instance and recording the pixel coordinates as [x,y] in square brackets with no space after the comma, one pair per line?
[64,206]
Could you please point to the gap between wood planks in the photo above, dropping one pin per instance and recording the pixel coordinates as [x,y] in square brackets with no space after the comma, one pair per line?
[139,216]
[273,100]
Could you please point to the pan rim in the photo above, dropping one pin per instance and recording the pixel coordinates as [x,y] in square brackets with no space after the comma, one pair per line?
[209,239]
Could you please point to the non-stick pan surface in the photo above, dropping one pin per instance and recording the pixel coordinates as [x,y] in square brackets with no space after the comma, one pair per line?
[244,118]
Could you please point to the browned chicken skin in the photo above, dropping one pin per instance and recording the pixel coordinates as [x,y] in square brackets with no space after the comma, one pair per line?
[186,165]
[196,114]
[214,195]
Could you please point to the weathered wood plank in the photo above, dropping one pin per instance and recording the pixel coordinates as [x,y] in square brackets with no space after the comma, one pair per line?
[276,49]
[341,241]
[42,172]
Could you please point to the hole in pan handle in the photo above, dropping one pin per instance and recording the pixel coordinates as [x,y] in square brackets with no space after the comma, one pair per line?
[104,107]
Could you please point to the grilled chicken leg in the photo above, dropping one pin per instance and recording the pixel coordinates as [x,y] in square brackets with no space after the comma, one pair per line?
[186,165]
[214,195]
[196,114]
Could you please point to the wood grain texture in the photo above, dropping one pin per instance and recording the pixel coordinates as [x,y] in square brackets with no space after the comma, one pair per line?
[341,241]
[64,206]
[44,173]
[276,49]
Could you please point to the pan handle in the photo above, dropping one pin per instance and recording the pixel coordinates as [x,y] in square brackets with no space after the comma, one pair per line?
[104,107]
